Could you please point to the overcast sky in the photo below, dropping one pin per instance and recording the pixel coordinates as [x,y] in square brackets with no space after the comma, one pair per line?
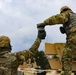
[18,19]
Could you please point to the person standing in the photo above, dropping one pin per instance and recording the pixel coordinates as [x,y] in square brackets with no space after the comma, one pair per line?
[9,62]
[68,20]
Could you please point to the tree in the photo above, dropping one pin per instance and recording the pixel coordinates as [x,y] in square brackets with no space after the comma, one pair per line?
[41,60]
